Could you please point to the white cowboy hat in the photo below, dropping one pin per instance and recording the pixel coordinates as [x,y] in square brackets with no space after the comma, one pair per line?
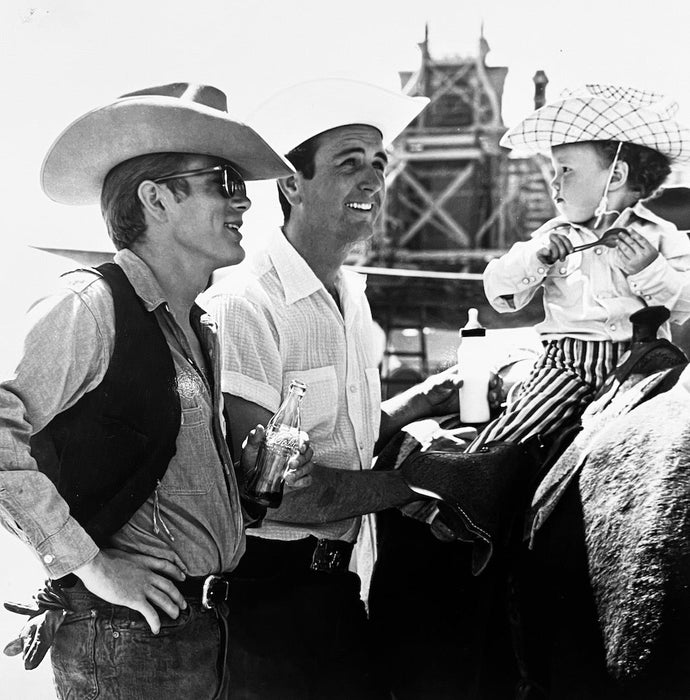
[295,114]
[179,117]
[604,112]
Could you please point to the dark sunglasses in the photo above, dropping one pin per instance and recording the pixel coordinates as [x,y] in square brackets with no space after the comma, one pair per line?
[232,181]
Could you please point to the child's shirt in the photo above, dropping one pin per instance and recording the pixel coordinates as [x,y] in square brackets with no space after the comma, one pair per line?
[587,296]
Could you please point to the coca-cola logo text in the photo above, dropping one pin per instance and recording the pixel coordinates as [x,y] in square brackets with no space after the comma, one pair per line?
[285,442]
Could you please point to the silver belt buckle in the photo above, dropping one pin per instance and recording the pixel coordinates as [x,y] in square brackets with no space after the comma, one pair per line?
[209,593]
[330,556]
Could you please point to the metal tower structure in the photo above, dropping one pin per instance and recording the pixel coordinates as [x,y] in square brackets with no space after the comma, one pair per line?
[454,201]
[444,180]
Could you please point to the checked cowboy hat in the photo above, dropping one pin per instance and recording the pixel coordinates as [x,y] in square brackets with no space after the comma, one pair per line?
[604,112]
[179,118]
[293,115]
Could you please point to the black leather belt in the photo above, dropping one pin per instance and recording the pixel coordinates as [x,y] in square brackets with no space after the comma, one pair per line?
[265,558]
[212,590]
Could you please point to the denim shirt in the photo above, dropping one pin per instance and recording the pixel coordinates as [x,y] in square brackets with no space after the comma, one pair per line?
[195,511]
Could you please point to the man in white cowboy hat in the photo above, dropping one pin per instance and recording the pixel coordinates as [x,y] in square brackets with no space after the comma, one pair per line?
[611,147]
[114,465]
[301,315]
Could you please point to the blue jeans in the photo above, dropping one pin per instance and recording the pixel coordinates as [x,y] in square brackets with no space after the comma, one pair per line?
[108,651]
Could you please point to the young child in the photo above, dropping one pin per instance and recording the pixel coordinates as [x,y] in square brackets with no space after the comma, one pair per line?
[611,147]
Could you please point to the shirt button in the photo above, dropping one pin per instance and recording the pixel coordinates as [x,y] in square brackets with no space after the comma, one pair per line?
[540,270]
[525,280]
[647,296]
[353,388]
[598,251]
[612,326]
[48,558]
[562,270]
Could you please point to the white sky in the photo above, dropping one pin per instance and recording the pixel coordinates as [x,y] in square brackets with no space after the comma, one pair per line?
[59,58]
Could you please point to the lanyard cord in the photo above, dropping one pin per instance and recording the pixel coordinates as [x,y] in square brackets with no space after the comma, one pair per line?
[602,208]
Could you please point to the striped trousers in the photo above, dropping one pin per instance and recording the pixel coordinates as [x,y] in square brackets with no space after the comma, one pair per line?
[562,383]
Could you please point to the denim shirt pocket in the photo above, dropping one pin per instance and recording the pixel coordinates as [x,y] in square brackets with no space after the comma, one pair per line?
[190,470]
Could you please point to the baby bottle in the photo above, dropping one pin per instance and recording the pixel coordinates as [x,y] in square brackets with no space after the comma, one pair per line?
[475,370]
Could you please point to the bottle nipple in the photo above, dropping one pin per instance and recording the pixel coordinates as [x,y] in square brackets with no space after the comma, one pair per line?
[473,326]
[473,319]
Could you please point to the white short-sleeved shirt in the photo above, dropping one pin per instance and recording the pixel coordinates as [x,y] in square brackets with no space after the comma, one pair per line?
[276,323]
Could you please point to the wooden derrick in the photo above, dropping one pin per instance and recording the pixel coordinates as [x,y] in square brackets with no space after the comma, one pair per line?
[455,200]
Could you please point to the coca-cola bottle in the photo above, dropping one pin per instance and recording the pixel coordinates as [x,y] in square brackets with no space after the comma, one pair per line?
[266,480]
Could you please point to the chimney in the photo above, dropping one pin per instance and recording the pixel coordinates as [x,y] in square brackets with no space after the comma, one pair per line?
[540,83]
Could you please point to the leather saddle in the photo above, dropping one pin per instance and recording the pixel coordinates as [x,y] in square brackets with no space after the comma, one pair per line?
[480,495]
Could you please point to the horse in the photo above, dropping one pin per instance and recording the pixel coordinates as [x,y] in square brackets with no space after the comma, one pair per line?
[582,551]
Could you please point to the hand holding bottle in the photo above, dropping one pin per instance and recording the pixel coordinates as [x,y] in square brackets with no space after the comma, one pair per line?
[299,466]
[280,452]
[441,392]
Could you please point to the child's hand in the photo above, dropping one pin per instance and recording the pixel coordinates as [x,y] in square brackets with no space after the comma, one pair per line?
[634,252]
[559,247]
[497,394]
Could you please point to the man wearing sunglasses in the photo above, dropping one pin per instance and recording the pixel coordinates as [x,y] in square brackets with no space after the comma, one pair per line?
[300,629]
[230,180]
[114,465]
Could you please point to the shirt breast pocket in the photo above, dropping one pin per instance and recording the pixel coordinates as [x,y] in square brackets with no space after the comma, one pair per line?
[320,402]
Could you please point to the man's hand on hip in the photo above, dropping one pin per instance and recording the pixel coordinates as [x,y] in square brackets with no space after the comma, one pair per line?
[135,581]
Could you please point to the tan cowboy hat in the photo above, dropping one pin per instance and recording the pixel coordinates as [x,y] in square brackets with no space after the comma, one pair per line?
[601,113]
[179,118]
[295,114]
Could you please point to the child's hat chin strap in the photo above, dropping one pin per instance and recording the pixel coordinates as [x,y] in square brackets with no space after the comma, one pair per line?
[602,208]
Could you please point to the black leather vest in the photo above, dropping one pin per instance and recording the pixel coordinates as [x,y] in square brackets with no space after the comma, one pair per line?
[106,453]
